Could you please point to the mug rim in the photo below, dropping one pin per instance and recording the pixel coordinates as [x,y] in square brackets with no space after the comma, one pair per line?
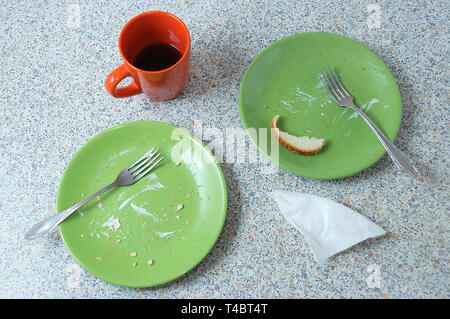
[150,13]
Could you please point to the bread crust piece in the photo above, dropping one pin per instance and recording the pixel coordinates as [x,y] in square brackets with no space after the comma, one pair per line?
[303,151]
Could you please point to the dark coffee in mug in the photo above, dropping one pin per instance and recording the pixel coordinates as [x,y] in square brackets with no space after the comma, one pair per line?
[157,57]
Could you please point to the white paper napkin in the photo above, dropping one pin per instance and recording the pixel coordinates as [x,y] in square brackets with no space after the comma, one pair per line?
[328,227]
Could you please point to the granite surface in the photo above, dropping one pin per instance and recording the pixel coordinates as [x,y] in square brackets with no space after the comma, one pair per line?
[54,59]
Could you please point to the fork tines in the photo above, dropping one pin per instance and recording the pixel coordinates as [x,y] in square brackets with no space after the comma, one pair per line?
[145,164]
[333,85]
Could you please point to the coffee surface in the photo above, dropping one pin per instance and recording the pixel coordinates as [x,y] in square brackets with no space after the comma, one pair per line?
[156,57]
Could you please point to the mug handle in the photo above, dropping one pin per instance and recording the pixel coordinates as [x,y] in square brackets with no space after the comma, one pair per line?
[115,77]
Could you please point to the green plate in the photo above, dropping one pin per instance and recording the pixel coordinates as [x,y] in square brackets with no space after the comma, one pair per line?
[283,79]
[146,211]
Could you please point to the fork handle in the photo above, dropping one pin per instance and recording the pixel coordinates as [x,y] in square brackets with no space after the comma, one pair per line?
[43,227]
[399,158]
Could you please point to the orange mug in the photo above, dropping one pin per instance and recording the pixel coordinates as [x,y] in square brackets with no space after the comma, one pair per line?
[143,30]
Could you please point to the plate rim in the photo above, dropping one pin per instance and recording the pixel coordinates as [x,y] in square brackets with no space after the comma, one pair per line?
[223,208]
[280,164]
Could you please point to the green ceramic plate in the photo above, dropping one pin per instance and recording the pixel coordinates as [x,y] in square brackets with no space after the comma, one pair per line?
[141,218]
[283,79]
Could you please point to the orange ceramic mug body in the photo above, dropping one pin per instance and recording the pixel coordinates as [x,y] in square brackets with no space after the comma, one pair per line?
[141,31]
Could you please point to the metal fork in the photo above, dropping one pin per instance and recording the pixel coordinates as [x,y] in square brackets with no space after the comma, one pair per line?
[127,176]
[343,98]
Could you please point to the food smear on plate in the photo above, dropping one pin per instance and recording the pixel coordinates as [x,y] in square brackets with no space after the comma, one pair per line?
[154,185]
[113,223]
[303,145]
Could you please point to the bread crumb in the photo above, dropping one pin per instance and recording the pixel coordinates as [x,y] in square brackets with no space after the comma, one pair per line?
[179,207]
[178,163]
[133,254]
[150,262]
[134,264]
[99,258]
[178,217]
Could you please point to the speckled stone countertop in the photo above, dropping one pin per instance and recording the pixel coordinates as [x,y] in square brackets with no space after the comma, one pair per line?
[52,100]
